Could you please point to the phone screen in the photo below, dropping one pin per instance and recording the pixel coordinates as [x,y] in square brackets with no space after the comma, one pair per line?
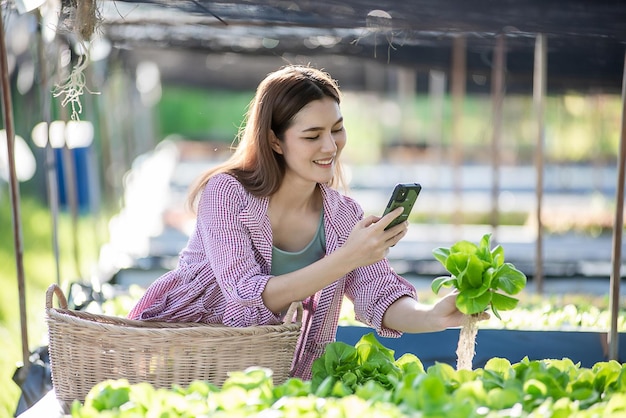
[404,195]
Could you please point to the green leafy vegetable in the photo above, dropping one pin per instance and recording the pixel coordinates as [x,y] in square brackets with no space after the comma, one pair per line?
[352,366]
[389,389]
[481,276]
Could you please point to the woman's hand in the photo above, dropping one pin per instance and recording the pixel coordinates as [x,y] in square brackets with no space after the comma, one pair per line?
[408,315]
[369,243]
[445,312]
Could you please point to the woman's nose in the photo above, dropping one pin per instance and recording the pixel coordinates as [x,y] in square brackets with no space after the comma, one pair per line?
[329,143]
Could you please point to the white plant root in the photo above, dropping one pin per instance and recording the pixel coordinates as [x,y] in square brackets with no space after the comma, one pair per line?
[466,348]
[84,18]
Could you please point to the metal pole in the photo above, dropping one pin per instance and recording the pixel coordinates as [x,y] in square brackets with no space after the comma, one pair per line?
[458,95]
[71,195]
[618,227]
[436,94]
[7,108]
[50,163]
[539,92]
[497,94]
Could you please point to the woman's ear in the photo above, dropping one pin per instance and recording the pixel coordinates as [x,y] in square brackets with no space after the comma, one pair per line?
[275,143]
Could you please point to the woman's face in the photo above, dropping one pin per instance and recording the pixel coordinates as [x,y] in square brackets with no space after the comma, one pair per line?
[312,144]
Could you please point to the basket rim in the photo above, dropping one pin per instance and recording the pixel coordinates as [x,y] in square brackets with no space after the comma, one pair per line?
[100,321]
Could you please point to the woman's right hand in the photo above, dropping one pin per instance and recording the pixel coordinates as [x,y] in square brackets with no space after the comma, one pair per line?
[369,243]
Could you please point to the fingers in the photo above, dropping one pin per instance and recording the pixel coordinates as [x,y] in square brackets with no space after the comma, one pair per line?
[396,237]
[386,220]
[370,238]
[369,220]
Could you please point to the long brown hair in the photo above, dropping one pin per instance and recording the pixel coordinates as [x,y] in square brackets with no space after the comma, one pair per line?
[279,97]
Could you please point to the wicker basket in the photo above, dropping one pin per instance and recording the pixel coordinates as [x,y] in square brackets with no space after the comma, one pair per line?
[87,348]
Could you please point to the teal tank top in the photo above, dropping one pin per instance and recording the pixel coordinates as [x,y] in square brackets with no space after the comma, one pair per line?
[284,262]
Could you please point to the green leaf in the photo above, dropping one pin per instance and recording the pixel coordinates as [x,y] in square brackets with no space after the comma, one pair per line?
[606,372]
[443,281]
[488,274]
[110,394]
[472,305]
[509,279]
[368,347]
[496,312]
[293,387]
[474,272]
[477,292]
[326,387]
[201,387]
[340,390]
[431,394]
[616,405]
[372,391]
[456,264]
[484,249]
[405,391]
[467,268]
[584,394]
[410,363]
[497,256]
[143,395]
[502,302]
[471,391]
[441,254]
[583,380]
[251,378]
[349,379]
[338,357]
[443,371]
[464,247]
[535,388]
[232,398]
[501,366]
[498,398]
[561,408]
[619,384]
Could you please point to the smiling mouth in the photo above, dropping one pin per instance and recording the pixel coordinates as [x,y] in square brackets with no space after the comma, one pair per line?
[327,161]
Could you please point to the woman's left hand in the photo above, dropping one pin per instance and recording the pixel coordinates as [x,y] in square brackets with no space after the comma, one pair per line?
[448,315]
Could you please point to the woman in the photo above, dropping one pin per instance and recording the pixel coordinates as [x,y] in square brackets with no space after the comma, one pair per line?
[271,229]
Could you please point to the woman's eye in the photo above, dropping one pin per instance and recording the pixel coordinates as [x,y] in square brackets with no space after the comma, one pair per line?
[333,131]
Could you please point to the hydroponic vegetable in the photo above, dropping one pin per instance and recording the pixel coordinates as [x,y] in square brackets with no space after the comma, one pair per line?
[380,386]
[483,280]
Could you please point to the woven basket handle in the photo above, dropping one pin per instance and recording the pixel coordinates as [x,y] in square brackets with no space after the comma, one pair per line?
[294,307]
[52,289]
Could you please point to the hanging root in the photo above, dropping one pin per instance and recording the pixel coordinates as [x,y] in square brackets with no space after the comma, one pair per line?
[83,17]
[467,341]
[73,87]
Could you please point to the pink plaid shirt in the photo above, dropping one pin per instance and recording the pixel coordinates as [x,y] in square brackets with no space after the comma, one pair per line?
[223,270]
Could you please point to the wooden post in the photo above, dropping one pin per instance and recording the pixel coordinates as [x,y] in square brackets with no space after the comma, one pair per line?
[458,96]
[618,228]
[436,94]
[7,108]
[71,195]
[497,95]
[50,161]
[539,92]
[406,91]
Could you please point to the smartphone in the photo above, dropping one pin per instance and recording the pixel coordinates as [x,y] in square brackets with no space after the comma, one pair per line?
[404,195]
